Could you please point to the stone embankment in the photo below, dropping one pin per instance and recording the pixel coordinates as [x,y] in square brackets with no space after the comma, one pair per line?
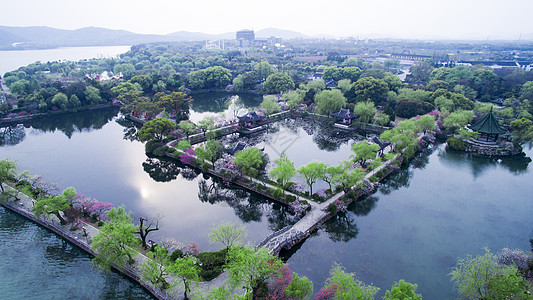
[81,234]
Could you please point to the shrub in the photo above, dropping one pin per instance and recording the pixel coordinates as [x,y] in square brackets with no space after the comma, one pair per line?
[332,209]
[277,193]
[151,146]
[100,223]
[288,185]
[212,264]
[290,198]
[178,253]
[456,143]
[410,108]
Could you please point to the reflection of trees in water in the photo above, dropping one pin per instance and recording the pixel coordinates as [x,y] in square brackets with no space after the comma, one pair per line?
[364,206]
[130,129]
[342,228]
[396,180]
[280,216]
[10,222]
[247,206]
[516,164]
[161,169]
[74,122]
[119,287]
[61,251]
[12,135]
[217,102]
[212,191]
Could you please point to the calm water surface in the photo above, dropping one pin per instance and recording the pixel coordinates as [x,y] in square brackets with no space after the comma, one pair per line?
[444,206]
[38,264]
[12,60]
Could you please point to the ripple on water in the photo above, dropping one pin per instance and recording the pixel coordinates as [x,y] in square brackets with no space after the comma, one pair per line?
[37,264]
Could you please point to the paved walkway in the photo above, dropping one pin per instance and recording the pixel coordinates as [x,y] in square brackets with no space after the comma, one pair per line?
[81,235]
[288,237]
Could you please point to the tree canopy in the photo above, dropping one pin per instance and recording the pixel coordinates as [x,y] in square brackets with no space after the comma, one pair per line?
[277,83]
[156,129]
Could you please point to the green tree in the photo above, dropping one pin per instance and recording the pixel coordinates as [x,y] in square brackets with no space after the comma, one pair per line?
[156,129]
[293,98]
[365,111]
[115,241]
[264,69]
[270,104]
[153,269]
[187,270]
[60,100]
[8,171]
[347,177]
[329,101]
[176,102]
[250,161]
[426,123]
[482,277]
[393,82]
[74,101]
[127,70]
[299,288]
[364,151]
[207,124]
[421,71]
[458,119]
[54,205]
[250,267]
[371,89]
[284,169]
[238,83]
[187,127]
[277,83]
[217,77]
[92,95]
[312,172]
[211,151]
[403,291]
[348,287]
[523,130]
[228,234]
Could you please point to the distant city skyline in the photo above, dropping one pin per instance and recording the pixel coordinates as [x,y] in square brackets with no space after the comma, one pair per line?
[419,19]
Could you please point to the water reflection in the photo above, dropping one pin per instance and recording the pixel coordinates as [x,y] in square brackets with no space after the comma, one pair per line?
[161,169]
[478,165]
[130,129]
[12,135]
[364,206]
[342,228]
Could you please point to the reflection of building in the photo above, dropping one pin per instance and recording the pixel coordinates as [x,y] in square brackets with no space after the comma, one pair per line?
[245,37]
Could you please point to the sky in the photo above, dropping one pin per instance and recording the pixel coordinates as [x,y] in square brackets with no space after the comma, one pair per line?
[423,19]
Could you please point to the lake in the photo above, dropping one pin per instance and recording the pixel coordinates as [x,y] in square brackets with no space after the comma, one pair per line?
[445,205]
[12,60]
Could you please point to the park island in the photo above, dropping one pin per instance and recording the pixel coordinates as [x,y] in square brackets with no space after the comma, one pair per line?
[273,150]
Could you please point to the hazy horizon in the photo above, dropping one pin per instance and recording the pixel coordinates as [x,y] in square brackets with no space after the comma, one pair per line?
[409,19]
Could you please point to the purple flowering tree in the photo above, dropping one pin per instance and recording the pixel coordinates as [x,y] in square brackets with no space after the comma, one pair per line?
[188,156]
[226,167]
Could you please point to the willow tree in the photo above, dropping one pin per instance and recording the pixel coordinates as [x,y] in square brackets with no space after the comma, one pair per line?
[116,240]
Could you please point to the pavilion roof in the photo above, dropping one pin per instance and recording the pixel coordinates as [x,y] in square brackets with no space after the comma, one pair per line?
[251,117]
[488,125]
[344,113]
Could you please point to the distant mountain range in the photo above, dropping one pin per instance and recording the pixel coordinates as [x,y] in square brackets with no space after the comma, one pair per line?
[40,37]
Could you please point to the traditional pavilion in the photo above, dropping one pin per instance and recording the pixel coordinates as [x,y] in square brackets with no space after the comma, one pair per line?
[251,118]
[238,147]
[488,126]
[344,115]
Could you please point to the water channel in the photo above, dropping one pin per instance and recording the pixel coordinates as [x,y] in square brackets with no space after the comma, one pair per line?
[443,206]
